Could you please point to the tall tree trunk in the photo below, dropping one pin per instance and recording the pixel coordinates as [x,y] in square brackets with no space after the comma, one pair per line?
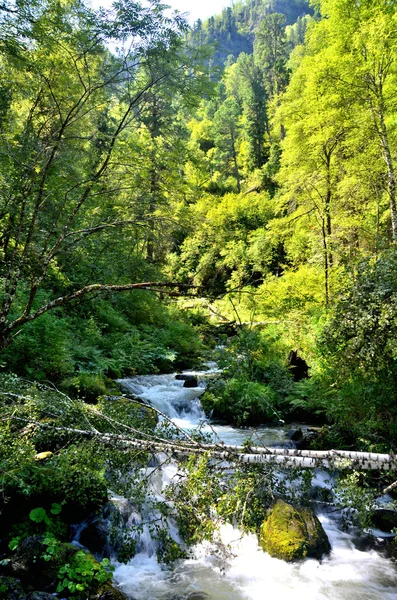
[391,174]
[154,128]
[326,263]
[152,208]
[236,171]
[327,207]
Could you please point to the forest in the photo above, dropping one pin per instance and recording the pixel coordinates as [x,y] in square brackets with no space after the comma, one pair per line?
[176,197]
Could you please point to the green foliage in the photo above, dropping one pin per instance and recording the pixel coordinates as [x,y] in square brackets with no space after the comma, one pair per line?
[42,350]
[228,246]
[82,574]
[240,402]
[76,473]
[194,500]
[355,494]
[358,347]
[169,551]
[86,385]
[257,381]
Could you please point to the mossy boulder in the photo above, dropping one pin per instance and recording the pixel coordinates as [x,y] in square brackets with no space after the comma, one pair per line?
[109,592]
[291,533]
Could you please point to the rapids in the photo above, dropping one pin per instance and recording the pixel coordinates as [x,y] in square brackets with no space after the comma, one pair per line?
[246,573]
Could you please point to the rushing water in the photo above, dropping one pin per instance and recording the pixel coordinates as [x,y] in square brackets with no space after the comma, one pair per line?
[246,573]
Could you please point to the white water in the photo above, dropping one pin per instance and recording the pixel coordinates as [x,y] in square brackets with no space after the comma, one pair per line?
[247,573]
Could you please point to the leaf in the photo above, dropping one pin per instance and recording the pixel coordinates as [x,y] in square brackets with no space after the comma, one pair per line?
[38,515]
[14,543]
[56,508]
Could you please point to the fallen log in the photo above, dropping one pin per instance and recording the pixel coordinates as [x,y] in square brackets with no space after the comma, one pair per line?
[284,457]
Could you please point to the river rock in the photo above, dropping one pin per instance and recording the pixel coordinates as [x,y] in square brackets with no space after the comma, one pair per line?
[109,592]
[94,537]
[385,519]
[295,434]
[190,381]
[291,533]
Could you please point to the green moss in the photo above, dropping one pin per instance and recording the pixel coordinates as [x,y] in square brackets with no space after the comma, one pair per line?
[291,533]
[108,592]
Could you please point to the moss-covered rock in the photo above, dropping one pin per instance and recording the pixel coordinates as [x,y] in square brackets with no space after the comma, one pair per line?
[291,533]
[109,592]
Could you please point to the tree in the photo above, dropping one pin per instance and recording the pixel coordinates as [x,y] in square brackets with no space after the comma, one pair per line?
[271,52]
[69,108]
[310,165]
[245,81]
[337,158]
[353,52]
[163,136]
[360,352]
[227,127]
[363,67]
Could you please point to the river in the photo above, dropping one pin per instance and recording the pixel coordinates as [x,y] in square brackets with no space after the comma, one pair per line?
[247,573]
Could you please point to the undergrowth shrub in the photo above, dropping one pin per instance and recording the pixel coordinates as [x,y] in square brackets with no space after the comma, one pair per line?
[240,402]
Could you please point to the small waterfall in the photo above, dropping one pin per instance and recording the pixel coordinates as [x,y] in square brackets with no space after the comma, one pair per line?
[169,395]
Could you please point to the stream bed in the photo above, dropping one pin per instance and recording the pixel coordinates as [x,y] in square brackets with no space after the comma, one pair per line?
[246,573]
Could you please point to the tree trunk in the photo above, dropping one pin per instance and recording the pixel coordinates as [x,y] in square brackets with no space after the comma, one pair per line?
[391,175]
[326,264]
[236,171]
[285,458]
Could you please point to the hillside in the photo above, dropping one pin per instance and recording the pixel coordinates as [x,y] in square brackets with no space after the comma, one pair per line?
[233,30]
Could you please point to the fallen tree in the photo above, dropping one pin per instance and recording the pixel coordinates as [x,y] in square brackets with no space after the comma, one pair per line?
[286,457]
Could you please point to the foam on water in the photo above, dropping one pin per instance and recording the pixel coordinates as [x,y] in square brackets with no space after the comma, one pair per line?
[168,395]
[182,405]
[251,574]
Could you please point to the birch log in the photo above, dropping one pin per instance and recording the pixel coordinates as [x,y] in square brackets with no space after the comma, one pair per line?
[283,457]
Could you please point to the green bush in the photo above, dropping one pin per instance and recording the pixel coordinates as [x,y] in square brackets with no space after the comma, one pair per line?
[136,353]
[257,380]
[82,575]
[359,354]
[240,402]
[42,349]
[88,386]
